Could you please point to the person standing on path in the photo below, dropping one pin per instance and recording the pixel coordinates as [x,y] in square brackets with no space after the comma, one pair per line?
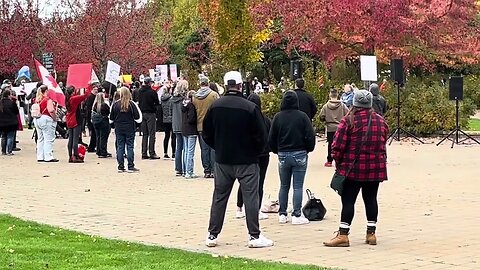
[332,113]
[177,103]
[167,106]
[92,145]
[235,128]
[8,122]
[306,103]
[202,101]
[263,161]
[359,150]
[291,137]
[124,116]
[148,102]
[379,104]
[45,125]
[100,115]
[190,134]
[75,119]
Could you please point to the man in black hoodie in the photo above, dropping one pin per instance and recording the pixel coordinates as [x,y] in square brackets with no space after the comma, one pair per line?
[148,101]
[291,137]
[379,102]
[306,103]
[234,127]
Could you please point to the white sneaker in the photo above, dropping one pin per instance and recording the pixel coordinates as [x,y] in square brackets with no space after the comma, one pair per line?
[211,241]
[260,242]
[301,220]
[262,216]
[239,214]
[282,219]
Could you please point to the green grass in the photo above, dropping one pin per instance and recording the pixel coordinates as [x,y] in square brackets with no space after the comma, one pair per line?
[474,124]
[28,245]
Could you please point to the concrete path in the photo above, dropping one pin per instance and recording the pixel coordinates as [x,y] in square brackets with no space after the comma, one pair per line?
[429,210]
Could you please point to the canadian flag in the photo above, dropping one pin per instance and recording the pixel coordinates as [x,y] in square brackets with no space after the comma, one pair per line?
[54,91]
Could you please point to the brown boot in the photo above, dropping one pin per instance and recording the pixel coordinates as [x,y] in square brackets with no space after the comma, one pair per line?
[341,240]
[371,239]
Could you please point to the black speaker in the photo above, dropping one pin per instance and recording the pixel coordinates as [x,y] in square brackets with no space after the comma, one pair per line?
[295,69]
[396,68]
[456,88]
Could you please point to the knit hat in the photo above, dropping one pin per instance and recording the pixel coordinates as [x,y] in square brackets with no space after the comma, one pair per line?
[362,99]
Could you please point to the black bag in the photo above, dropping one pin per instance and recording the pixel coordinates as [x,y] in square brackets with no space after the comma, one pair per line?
[314,209]
[96,118]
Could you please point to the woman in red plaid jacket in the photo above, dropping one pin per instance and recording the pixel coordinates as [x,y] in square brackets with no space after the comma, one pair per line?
[365,168]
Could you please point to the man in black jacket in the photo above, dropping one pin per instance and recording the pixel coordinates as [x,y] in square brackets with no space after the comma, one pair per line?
[379,102]
[148,101]
[234,127]
[306,103]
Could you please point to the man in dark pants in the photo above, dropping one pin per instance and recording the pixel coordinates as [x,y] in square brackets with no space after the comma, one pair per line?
[235,129]
[89,105]
[148,101]
[306,103]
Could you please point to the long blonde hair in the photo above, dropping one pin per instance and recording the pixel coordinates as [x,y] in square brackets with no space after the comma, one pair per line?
[125,97]
[99,101]
[41,92]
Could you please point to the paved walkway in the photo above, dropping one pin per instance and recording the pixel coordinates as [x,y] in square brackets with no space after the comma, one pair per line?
[429,210]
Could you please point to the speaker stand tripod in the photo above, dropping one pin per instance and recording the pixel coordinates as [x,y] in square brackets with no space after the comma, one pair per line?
[396,134]
[456,132]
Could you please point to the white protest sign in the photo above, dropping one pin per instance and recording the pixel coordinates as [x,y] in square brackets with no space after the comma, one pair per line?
[173,72]
[94,77]
[113,72]
[368,68]
[151,73]
[164,73]
[29,87]
[17,90]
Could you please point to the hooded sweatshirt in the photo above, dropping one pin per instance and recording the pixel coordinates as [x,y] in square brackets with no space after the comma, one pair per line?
[379,103]
[177,103]
[148,99]
[202,101]
[268,123]
[332,113]
[291,128]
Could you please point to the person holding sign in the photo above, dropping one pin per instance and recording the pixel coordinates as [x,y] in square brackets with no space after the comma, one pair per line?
[73,99]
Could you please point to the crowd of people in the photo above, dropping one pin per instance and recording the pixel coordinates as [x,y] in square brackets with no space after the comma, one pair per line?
[234,136]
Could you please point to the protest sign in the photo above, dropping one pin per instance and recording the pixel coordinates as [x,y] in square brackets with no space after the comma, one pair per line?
[173,72]
[368,68]
[113,72]
[79,75]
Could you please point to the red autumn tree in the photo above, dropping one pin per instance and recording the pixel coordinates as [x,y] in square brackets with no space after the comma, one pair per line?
[421,31]
[97,31]
[20,30]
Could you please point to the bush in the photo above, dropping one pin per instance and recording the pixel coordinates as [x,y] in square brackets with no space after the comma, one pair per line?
[426,108]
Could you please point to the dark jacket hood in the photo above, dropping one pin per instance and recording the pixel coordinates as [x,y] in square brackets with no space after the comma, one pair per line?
[255,99]
[334,104]
[289,101]
[166,96]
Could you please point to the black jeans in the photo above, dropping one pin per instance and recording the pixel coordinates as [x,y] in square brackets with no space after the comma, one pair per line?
[263,164]
[73,139]
[225,175]
[102,131]
[169,133]
[349,197]
[93,137]
[149,127]
[330,136]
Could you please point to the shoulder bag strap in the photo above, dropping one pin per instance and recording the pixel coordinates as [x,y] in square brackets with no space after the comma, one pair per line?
[364,139]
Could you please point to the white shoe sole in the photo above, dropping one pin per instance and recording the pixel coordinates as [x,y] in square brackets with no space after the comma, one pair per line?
[211,244]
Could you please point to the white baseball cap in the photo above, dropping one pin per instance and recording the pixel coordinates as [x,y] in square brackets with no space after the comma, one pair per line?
[232,78]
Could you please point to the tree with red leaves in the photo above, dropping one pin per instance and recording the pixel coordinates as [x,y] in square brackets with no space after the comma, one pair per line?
[423,32]
[97,31]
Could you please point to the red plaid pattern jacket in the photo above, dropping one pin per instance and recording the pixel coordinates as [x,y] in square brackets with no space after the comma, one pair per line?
[371,164]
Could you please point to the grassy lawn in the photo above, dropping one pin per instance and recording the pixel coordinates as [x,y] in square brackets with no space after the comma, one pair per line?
[474,125]
[27,245]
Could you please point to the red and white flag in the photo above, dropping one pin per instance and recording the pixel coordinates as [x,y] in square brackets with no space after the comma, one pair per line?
[54,93]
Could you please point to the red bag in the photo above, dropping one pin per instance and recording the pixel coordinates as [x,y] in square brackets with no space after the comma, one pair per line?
[82,150]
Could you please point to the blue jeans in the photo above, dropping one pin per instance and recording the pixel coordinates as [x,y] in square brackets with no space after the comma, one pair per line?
[189,153]
[125,139]
[292,164]
[8,139]
[208,156]
[179,167]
